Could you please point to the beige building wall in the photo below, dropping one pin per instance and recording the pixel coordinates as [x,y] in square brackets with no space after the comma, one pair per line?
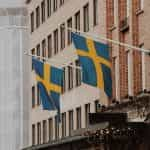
[78,96]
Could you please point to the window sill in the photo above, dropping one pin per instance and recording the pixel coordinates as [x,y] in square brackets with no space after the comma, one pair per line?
[139,11]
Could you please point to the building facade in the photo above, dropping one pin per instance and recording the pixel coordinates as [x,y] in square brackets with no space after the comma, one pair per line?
[14,76]
[120,20]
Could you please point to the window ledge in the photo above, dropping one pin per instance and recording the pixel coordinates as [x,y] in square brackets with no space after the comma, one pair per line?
[139,11]
[112,28]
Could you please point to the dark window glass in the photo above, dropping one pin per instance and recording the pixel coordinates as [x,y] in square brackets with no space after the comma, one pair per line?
[86,17]
[78,111]
[37,16]
[33,97]
[62,36]
[43,11]
[69,25]
[49,46]
[50,129]
[32,21]
[44,131]
[56,41]
[38,133]
[87,111]
[49,9]
[63,124]
[77,20]
[95,12]
[33,134]
[70,77]
[70,122]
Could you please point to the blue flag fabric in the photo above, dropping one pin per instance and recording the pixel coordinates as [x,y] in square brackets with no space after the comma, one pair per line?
[49,81]
[95,62]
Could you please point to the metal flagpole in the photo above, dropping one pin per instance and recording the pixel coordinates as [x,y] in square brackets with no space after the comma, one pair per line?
[46,59]
[98,37]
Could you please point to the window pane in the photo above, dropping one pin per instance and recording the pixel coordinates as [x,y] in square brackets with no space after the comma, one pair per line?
[39,133]
[44,131]
[62,36]
[49,46]
[50,129]
[56,127]
[33,97]
[63,124]
[43,11]
[37,17]
[78,110]
[86,18]
[64,81]
[70,77]
[56,41]
[44,48]
[69,25]
[78,74]
[55,5]
[32,21]
[87,111]
[95,12]
[49,11]
[33,134]
[77,20]
[70,122]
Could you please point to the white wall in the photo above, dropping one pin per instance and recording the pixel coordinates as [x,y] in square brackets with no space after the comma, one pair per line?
[14,94]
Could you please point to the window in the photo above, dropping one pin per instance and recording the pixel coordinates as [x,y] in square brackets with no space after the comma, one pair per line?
[63,124]
[33,134]
[44,48]
[44,131]
[61,2]
[62,36]
[55,5]
[49,46]
[77,21]
[50,129]
[114,76]
[56,41]
[33,53]
[95,12]
[38,49]
[38,133]
[69,25]
[96,105]
[49,9]
[33,96]
[56,127]
[78,74]
[38,96]
[70,77]
[86,17]
[130,74]
[32,21]
[87,111]
[70,122]
[37,16]
[63,82]
[78,111]
[43,11]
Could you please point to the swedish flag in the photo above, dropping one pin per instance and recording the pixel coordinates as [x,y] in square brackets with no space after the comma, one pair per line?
[95,62]
[49,81]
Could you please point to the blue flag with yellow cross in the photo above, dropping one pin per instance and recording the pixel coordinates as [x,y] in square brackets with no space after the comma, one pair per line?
[95,62]
[49,81]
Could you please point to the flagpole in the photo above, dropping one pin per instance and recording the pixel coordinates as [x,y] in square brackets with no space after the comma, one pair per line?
[98,37]
[46,59]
